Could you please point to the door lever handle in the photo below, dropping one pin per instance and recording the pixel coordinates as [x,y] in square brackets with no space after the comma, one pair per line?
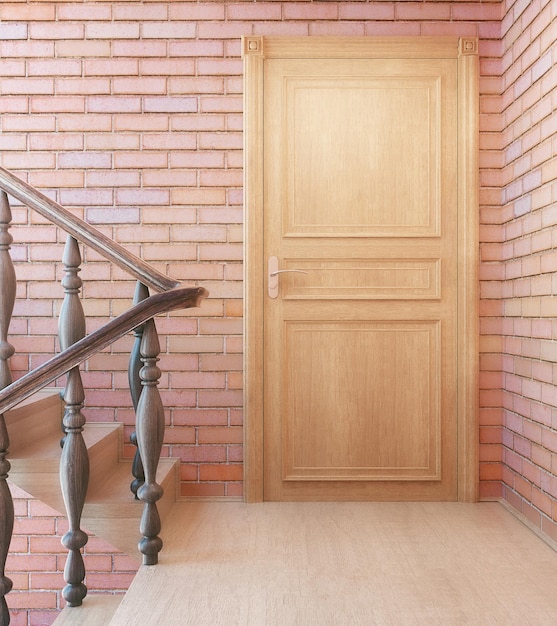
[284,271]
[273,276]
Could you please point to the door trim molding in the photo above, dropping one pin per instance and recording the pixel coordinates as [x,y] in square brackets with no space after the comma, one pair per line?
[255,50]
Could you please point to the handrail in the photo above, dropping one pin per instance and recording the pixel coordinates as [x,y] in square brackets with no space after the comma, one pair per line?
[181,297]
[85,233]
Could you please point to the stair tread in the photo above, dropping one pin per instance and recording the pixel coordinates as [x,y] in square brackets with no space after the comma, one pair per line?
[111,512]
[48,448]
[110,488]
[49,395]
[36,418]
[46,485]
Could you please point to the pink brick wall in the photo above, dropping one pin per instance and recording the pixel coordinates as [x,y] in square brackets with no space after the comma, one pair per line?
[519,264]
[131,113]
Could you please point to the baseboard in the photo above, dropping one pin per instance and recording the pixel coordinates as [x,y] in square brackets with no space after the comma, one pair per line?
[524,520]
[210,499]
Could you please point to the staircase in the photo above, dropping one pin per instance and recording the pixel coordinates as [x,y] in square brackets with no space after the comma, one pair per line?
[93,478]
[111,511]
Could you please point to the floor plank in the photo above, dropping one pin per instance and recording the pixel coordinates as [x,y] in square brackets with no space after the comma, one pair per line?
[345,564]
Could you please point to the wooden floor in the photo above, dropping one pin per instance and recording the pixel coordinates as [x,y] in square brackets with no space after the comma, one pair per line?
[345,564]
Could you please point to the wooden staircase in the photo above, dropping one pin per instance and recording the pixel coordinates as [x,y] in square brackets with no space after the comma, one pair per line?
[111,512]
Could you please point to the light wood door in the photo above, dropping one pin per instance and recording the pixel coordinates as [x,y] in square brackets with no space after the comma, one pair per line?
[360,253]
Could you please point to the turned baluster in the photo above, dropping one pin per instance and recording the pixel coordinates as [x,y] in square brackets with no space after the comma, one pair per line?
[150,433]
[141,292]
[6,522]
[7,290]
[71,322]
[74,479]
[74,462]
[7,300]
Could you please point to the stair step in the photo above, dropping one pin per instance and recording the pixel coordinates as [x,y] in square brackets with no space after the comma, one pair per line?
[43,455]
[34,419]
[111,512]
[97,610]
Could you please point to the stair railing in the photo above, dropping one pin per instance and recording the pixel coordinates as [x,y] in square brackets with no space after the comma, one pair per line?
[76,347]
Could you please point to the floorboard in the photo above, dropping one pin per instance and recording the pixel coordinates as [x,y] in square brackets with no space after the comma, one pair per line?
[345,564]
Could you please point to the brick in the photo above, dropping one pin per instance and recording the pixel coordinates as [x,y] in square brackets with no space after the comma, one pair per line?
[75,123]
[220,398]
[141,49]
[83,49]
[27,13]
[113,104]
[224,472]
[123,141]
[33,600]
[139,85]
[199,490]
[110,67]
[168,30]
[174,104]
[166,67]
[198,380]
[212,435]
[203,454]
[111,30]
[195,49]
[375,11]
[197,417]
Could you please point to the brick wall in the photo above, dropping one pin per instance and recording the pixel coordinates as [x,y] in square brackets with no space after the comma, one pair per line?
[130,113]
[519,264]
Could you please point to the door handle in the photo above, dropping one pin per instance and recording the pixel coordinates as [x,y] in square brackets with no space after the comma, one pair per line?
[273,276]
[284,271]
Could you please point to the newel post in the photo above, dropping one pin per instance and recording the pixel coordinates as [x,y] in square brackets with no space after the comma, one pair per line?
[74,461]
[150,434]
[7,300]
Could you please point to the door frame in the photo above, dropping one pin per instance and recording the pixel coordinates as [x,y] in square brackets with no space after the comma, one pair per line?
[254,51]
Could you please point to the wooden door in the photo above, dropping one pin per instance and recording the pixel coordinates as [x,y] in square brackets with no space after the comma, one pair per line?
[361,252]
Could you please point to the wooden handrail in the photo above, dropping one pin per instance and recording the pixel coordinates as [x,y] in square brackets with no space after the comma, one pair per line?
[178,298]
[84,232]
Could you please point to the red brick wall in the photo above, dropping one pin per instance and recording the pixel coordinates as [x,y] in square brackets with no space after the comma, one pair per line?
[131,113]
[519,267]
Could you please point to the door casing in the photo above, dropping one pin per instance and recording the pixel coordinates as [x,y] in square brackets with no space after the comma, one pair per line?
[255,51]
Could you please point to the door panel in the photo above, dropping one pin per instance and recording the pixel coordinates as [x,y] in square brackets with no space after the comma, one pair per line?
[345,126]
[378,420]
[360,347]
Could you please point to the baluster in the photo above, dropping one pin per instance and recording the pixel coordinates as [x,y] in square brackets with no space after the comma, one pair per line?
[150,434]
[71,322]
[74,479]
[7,300]
[6,522]
[7,290]
[74,461]
[141,292]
